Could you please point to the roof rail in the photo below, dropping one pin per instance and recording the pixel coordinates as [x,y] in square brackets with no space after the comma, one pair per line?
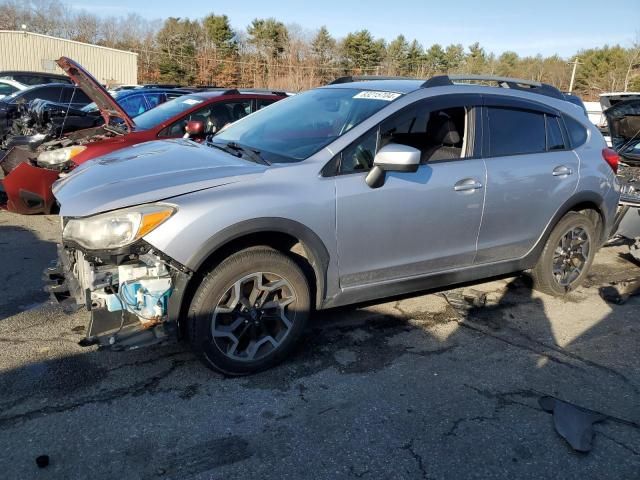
[504,82]
[266,91]
[365,78]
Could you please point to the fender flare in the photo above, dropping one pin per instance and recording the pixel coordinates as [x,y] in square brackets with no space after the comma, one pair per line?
[577,199]
[317,252]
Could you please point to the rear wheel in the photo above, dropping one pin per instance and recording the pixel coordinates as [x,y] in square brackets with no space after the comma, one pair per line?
[249,311]
[567,255]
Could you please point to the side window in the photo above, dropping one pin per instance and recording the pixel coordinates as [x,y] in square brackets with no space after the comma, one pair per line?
[134,105]
[358,157]
[438,133]
[52,94]
[172,95]
[6,89]
[577,132]
[261,103]
[515,132]
[74,96]
[215,116]
[28,79]
[240,109]
[555,141]
[154,99]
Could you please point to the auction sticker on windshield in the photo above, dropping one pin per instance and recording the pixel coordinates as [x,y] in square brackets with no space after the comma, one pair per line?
[373,95]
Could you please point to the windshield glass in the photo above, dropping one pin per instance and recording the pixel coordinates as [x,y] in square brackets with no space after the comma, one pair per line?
[92,107]
[295,128]
[162,113]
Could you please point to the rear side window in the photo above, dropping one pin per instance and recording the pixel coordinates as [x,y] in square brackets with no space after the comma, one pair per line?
[555,141]
[515,132]
[6,89]
[577,132]
[261,103]
[52,94]
[74,95]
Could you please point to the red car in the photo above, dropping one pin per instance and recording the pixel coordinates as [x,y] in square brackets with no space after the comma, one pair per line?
[30,169]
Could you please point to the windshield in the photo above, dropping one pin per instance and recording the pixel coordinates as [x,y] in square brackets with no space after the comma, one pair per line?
[162,113]
[296,128]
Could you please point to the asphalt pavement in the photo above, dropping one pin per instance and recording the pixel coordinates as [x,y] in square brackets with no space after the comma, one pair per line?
[423,387]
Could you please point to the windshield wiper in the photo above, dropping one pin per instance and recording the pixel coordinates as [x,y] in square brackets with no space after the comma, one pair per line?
[239,151]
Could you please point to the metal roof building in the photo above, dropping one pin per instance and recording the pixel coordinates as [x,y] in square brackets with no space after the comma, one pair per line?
[35,52]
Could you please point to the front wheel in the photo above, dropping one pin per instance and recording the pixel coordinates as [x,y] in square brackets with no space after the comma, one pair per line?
[567,255]
[249,311]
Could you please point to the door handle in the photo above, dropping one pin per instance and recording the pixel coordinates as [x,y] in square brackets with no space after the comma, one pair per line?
[562,171]
[467,184]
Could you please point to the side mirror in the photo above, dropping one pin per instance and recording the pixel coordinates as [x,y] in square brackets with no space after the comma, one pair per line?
[393,157]
[194,128]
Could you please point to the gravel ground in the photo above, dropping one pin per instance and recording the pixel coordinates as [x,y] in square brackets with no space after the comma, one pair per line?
[413,388]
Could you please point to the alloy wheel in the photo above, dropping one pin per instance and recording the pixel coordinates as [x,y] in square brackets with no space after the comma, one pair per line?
[254,316]
[570,256]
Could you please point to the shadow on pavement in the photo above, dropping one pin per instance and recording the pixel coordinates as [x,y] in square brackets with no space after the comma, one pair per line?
[23,257]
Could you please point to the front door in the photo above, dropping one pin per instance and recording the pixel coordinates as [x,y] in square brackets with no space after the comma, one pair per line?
[416,223]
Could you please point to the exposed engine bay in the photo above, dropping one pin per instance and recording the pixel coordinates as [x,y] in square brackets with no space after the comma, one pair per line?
[33,118]
[27,148]
[127,294]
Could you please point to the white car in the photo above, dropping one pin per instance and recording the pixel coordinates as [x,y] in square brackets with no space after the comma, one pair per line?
[7,87]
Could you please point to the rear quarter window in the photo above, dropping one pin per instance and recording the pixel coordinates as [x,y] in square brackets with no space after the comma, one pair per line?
[577,131]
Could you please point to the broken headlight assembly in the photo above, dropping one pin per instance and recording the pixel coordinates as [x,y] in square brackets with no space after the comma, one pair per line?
[59,158]
[116,229]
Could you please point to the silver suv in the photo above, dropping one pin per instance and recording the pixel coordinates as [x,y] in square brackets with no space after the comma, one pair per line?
[351,192]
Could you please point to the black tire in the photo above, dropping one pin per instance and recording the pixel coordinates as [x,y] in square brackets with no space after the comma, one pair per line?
[543,275]
[217,292]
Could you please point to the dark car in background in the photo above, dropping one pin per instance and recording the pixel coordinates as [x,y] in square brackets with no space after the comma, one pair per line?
[11,106]
[34,78]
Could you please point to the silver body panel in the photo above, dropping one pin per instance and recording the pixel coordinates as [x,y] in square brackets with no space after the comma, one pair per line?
[415,225]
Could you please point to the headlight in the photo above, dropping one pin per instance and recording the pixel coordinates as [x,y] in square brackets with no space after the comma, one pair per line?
[59,157]
[116,229]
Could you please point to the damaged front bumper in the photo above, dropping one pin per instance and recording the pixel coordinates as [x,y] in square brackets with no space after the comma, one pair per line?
[134,297]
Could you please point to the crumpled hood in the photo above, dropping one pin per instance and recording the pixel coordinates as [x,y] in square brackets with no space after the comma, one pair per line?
[147,172]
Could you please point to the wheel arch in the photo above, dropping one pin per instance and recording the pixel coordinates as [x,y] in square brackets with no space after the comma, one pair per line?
[580,202]
[279,233]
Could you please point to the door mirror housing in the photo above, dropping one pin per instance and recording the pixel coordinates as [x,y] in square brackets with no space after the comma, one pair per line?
[393,157]
[194,128]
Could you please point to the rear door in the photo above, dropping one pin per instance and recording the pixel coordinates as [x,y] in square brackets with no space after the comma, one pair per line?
[531,173]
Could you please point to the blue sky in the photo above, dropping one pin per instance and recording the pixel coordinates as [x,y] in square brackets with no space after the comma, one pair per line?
[528,28]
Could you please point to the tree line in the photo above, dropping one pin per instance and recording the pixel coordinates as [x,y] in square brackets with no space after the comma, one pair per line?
[268,53]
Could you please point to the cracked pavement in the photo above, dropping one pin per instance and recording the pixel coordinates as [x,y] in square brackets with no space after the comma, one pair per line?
[421,387]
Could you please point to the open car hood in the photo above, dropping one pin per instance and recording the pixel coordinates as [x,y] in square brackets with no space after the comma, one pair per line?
[108,107]
[624,125]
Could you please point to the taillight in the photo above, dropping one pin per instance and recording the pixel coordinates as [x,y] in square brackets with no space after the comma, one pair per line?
[612,158]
